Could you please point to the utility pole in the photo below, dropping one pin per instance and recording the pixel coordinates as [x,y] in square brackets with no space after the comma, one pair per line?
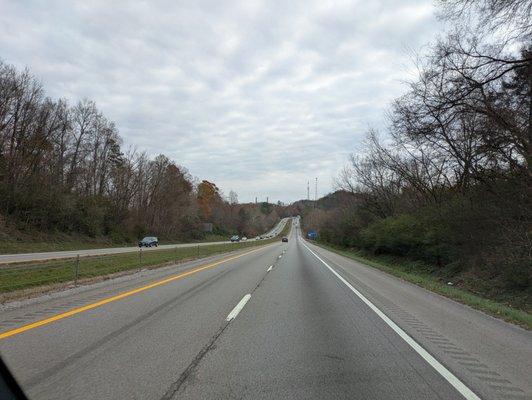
[308,190]
[267,199]
[528,54]
[255,200]
[316,192]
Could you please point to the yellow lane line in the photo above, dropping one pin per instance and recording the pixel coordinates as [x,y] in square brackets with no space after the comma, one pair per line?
[99,303]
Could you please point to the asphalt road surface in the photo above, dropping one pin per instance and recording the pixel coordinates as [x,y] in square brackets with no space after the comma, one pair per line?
[287,320]
[52,255]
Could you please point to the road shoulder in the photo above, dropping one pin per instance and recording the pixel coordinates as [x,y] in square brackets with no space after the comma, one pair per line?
[491,307]
[490,355]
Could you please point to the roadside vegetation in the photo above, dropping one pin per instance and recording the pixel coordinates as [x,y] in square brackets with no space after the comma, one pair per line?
[47,275]
[40,243]
[445,194]
[37,242]
[512,307]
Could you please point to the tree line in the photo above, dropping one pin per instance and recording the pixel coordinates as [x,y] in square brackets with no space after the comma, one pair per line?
[63,168]
[450,181]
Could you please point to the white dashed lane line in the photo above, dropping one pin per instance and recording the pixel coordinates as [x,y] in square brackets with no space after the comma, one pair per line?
[232,315]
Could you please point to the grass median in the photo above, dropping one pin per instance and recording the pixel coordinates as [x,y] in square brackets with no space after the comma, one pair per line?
[405,271]
[19,276]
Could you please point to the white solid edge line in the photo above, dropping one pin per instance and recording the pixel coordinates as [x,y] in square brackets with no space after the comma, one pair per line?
[269,268]
[232,315]
[448,375]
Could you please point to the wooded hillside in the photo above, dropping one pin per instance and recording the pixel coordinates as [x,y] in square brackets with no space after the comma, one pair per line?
[450,181]
[63,169]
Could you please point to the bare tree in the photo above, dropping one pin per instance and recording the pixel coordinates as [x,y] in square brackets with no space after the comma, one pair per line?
[233,197]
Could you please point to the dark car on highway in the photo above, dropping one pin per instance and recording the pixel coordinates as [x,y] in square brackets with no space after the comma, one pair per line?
[235,238]
[149,241]
[284,239]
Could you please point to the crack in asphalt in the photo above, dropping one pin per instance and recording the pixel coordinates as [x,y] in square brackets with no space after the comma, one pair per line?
[174,387]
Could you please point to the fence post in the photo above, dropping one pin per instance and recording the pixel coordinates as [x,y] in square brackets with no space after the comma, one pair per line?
[76,272]
[175,254]
[198,252]
[140,258]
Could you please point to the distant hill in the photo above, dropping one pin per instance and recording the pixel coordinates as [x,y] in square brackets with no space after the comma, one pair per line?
[327,202]
[335,199]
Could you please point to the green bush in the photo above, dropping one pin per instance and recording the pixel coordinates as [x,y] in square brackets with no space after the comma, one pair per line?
[516,275]
[407,235]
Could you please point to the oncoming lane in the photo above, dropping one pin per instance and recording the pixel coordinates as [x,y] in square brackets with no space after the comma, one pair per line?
[52,255]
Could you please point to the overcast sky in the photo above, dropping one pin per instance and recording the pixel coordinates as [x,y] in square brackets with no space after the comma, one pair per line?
[259,97]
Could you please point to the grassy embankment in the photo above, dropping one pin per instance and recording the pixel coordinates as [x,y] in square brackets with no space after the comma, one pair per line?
[19,276]
[39,242]
[421,275]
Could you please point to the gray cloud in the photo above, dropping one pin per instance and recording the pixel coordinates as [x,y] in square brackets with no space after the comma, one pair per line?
[257,96]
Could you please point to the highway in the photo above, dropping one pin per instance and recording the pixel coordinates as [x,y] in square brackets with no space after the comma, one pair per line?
[283,321]
[52,255]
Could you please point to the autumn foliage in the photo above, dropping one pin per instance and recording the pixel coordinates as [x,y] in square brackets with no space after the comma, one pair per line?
[63,169]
